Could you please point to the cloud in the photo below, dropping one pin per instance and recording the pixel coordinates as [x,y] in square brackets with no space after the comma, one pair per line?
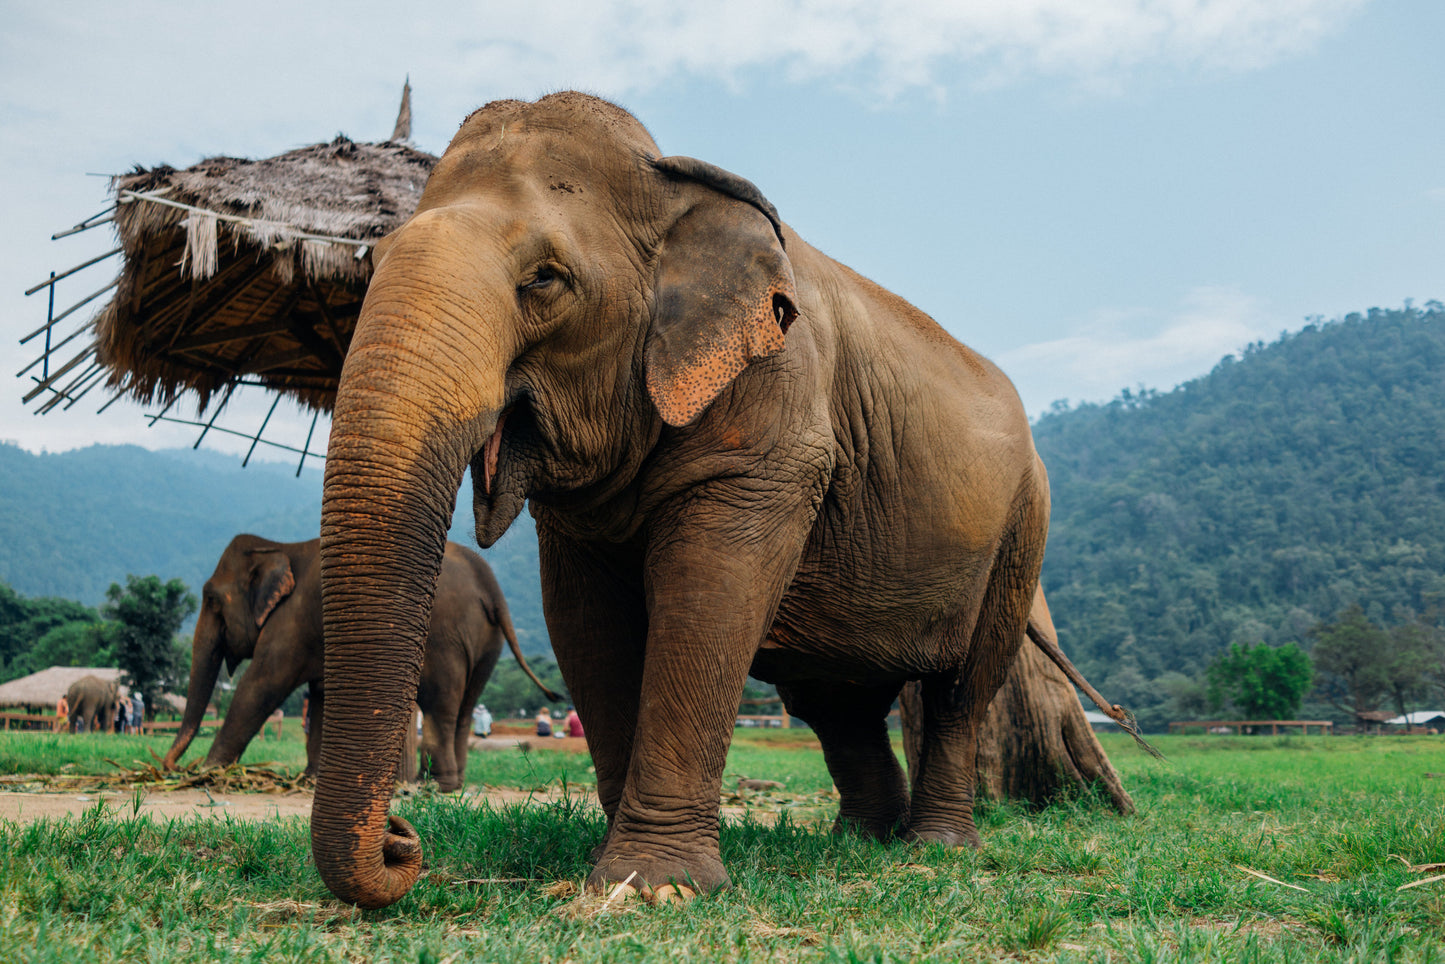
[91,86]
[634,45]
[1106,357]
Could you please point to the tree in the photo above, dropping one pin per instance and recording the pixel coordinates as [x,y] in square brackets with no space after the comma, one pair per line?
[1409,662]
[149,614]
[1347,655]
[78,643]
[510,691]
[24,623]
[1263,682]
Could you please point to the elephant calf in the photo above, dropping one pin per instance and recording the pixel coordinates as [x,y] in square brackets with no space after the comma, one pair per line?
[263,603]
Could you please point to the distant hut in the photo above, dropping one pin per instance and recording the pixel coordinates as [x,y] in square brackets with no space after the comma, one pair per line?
[40,691]
[238,272]
[1421,721]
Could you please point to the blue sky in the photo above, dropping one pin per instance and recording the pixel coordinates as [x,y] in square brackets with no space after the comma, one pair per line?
[1097,194]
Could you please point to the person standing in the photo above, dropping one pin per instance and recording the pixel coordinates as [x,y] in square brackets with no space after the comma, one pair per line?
[137,710]
[122,707]
[62,714]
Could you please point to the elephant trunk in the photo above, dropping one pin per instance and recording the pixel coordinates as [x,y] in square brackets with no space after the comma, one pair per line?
[207,653]
[405,426]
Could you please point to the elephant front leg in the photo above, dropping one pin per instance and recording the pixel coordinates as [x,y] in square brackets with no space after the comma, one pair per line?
[709,603]
[597,621]
[253,702]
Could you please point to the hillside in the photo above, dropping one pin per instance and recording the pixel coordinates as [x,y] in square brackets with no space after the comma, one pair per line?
[1245,506]
[72,523]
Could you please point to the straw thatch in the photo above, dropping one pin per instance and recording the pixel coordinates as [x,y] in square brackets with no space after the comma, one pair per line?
[204,301]
[42,689]
[246,272]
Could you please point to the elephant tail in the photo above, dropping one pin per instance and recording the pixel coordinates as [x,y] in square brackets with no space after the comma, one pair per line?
[1113,711]
[502,616]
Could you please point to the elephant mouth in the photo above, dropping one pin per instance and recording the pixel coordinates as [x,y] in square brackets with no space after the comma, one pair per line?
[500,473]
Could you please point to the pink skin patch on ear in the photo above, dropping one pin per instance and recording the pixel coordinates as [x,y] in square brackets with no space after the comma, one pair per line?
[681,393]
[493,450]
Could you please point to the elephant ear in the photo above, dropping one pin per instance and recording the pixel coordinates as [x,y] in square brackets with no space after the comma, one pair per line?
[271,582]
[723,292]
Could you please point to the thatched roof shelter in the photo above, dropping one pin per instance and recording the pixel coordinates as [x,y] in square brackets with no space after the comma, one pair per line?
[42,689]
[239,272]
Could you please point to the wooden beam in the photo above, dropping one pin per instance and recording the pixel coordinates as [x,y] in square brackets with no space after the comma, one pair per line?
[225,336]
[222,298]
[323,381]
[178,296]
[263,363]
[329,357]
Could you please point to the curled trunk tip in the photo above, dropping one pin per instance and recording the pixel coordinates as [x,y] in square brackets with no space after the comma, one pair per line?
[375,883]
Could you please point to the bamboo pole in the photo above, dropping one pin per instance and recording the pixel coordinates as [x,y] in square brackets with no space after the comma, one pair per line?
[50,282]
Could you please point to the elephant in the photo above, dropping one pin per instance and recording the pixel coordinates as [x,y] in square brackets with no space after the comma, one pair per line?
[741,456]
[263,603]
[92,704]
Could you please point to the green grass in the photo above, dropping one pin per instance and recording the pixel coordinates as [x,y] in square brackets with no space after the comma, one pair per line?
[1339,817]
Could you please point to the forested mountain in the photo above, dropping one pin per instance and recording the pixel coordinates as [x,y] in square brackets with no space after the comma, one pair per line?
[1246,506]
[72,523]
[1250,504]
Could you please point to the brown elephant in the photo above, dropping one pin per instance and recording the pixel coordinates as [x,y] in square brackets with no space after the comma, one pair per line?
[92,704]
[602,331]
[263,603]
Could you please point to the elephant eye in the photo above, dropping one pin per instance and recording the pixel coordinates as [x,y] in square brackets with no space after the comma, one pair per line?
[546,274]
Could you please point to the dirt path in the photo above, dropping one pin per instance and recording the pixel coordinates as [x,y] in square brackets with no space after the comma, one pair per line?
[163,805]
[22,807]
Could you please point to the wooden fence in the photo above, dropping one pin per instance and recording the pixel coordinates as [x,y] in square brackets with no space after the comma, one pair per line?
[46,721]
[1236,726]
[780,719]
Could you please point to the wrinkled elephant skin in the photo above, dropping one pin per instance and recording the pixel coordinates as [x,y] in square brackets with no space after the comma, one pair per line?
[741,457]
[263,603]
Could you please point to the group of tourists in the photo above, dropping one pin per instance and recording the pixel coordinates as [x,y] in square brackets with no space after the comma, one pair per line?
[571,726]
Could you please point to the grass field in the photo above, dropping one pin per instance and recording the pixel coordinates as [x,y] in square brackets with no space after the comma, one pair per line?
[1244,849]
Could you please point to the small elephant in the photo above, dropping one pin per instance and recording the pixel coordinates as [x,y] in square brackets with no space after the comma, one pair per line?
[92,704]
[263,603]
[742,457]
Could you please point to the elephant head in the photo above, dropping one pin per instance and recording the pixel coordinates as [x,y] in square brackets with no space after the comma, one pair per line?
[561,297]
[252,578]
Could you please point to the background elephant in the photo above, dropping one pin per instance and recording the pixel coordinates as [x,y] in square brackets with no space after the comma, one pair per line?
[837,505]
[263,603]
[92,704]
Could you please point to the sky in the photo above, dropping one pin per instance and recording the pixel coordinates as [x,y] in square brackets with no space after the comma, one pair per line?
[1097,194]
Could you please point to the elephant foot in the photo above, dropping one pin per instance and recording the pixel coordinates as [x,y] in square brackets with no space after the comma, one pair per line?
[659,879]
[883,824]
[965,837]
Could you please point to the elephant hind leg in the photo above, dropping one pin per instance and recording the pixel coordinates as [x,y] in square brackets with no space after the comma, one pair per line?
[462,739]
[954,704]
[851,722]
[438,741]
